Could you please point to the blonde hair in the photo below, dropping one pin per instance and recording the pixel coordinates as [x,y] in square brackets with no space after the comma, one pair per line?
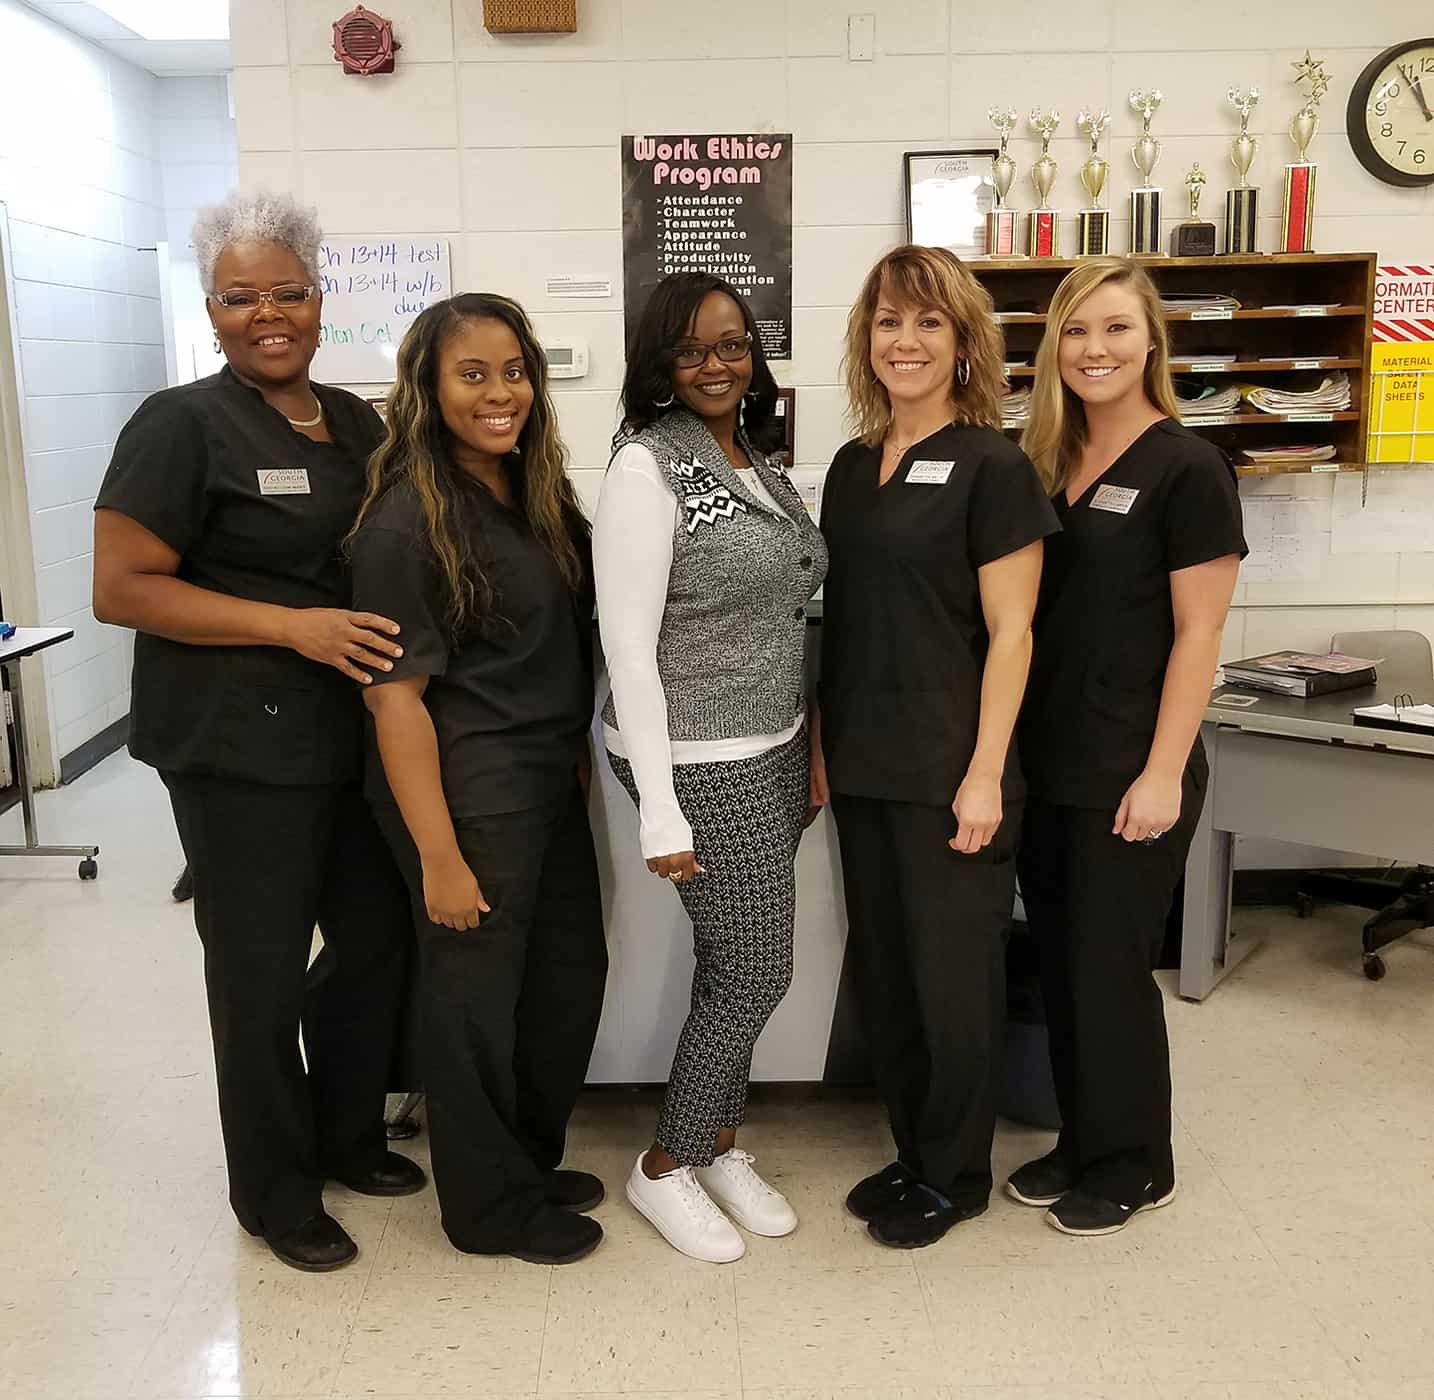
[1056,428]
[925,277]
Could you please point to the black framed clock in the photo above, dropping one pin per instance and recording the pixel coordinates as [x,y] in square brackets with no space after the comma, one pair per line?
[1390,118]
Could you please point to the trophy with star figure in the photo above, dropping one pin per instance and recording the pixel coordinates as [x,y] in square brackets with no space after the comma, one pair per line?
[1297,221]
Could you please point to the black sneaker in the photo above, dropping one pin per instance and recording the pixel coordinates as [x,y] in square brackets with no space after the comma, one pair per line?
[577,1191]
[1042,1182]
[921,1217]
[1080,1213]
[875,1194]
[553,1236]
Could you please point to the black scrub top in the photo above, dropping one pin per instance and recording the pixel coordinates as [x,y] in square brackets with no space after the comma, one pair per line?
[255,510]
[1105,625]
[512,699]
[903,636]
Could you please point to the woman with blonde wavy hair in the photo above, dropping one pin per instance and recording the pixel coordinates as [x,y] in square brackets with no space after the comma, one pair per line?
[472,536]
[1127,635]
[935,523]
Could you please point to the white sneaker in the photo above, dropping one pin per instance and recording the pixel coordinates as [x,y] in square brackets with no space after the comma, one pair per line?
[734,1184]
[685,1215]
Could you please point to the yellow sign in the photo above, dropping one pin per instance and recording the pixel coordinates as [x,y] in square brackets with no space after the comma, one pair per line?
[1401,405]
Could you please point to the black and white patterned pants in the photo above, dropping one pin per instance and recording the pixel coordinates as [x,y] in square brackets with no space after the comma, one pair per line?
[746,818]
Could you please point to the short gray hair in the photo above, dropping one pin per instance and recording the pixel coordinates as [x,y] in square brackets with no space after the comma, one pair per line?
[256,218]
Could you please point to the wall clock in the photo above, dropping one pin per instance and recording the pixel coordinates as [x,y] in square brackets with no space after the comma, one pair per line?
[1390,118]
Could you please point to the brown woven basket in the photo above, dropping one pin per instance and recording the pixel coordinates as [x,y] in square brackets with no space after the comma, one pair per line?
[530,16]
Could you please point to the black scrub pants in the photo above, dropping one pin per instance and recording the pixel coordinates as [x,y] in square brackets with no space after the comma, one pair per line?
[926,931]
[270,862]
[1097,906]
[508,1012]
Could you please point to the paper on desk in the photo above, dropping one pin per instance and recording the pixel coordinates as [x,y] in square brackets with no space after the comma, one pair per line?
[1397,517]
[1286,539]
[1422,715]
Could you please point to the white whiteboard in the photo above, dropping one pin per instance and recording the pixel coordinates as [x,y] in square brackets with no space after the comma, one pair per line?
[374,288]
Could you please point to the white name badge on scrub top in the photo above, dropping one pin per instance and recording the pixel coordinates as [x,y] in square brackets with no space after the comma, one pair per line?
[1118,499]
[283,481]
[929,473]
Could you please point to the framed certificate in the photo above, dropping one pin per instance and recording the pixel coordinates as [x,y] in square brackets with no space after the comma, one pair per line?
[948,194]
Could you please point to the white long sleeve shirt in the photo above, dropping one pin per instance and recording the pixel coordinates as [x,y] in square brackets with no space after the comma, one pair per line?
[632,558]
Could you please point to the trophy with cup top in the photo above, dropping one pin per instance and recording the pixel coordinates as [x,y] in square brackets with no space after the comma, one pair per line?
[1043,224]
[1094,225]
[1242,203]
[1001,221]
[1145,154]
[1297,217]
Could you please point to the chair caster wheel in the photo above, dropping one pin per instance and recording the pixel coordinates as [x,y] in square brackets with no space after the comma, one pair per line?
[1374,967]
[1304,906]
[89,870]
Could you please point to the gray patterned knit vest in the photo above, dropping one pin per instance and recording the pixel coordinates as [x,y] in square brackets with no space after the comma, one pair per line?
[731,648]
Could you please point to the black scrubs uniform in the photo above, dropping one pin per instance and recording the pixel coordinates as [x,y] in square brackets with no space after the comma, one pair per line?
[261,750]
[1096,903]
[903,650]
[508,1011]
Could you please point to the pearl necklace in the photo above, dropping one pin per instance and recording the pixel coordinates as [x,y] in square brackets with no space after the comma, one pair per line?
[308,422]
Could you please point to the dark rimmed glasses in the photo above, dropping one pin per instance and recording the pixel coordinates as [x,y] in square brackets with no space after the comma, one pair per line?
[251,298]
[729,350]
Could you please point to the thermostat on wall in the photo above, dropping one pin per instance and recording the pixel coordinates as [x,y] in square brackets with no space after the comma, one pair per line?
[567,358]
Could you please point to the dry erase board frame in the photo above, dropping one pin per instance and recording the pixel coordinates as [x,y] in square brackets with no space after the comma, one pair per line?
[374,287]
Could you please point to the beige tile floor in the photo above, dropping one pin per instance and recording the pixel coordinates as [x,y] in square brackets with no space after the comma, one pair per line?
[1297,1263]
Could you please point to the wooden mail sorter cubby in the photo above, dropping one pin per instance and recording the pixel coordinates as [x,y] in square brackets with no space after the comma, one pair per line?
[1298,312]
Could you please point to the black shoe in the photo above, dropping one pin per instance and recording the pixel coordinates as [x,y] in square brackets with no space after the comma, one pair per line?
[1080,1213]
[577,1191]
[396,1177]
[553,1236]
[921,1217]
[317,1246]
[183,890]
[1042,1182]
[873,1195]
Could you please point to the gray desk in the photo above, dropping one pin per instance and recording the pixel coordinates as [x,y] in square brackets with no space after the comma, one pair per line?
[27,641]
[1300,771]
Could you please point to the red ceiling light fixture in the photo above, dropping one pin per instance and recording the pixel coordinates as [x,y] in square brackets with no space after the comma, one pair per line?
[364,42]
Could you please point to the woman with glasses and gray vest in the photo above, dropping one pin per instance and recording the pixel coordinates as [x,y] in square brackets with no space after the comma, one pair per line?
[705,560]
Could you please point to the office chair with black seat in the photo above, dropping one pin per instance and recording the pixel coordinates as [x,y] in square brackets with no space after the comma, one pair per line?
[1402,906]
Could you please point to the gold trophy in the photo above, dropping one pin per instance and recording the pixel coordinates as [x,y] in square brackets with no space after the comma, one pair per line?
[1094,227]
[1043,225]
[1001,221]
[1297,219]
[1194,237]
[1242,204]
[1145,154]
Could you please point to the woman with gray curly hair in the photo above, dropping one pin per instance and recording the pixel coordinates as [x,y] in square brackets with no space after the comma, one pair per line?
[217,538]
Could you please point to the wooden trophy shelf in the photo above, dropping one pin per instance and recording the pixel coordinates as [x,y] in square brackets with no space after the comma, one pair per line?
[1298,312]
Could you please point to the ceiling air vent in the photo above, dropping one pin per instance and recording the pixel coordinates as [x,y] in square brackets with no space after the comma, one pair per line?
[364,42]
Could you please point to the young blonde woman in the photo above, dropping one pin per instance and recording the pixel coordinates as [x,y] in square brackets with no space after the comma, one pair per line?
[1127,635]
[471,536]
[934,522]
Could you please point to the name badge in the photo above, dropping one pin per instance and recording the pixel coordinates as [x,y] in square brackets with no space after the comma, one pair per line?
[1118,499]
[929,473]
[283,481]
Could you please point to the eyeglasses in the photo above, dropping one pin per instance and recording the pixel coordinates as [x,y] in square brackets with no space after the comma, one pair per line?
[729,351]
[251,298]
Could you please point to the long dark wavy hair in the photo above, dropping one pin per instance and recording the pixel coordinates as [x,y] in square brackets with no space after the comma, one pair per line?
[417,451]
[667,317]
